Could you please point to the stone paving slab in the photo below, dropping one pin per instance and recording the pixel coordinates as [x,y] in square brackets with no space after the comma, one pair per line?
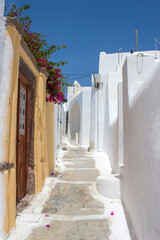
[72,156]
[80,163]
[78,159]
[34,218]
[92,229]
[74,209]
[80,175]
[73,199]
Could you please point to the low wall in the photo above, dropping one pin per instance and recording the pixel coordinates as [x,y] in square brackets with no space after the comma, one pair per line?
[86,115]
[111,123]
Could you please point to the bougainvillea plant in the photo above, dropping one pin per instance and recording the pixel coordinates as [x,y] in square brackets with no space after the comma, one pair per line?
[37,43]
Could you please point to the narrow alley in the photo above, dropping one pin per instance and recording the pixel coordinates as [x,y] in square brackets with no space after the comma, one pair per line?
[79,129]
[69,207]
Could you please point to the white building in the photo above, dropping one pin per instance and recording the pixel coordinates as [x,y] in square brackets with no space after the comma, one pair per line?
[77,114]
[125,125]
[140,175]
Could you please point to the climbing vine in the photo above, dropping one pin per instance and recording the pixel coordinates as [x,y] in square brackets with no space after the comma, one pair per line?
[42,52]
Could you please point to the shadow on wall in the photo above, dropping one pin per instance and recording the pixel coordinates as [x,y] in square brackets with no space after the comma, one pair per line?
[75,123]
[141,149]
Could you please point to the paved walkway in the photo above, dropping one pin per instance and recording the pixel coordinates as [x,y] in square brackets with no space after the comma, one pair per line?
[69,207]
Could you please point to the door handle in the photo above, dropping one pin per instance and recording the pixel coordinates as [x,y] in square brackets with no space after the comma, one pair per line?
[18,140]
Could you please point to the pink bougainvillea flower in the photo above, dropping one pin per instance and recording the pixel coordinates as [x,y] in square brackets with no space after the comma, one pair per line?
[52,174]
[112,213]
[48,226]
[46,215]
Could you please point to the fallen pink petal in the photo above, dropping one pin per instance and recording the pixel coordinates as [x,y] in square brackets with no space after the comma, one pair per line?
[48,226]
[112,213]
[46,215]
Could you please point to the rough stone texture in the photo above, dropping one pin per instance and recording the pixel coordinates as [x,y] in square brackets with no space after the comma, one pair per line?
[72,156]
[73,199]
[22,204]
[108,186]
[81,175]
[89,163]
[71,210]
[91,229]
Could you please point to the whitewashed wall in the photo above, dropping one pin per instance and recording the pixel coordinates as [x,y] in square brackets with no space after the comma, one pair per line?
[86,114]
[83,102]
[94,118]
[105,109]
[111,133]
[140,185]
[72,117]
[98,106]
[58,128]
[6,55]
[107,105]
[65,108]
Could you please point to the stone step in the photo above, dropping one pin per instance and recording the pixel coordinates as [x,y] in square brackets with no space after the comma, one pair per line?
[73,200]
[78,159]
[108,186]
[72,156]
[81,175]
[91,229]
[80,163]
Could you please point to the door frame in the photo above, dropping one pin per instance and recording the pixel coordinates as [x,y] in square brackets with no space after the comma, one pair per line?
[23,80]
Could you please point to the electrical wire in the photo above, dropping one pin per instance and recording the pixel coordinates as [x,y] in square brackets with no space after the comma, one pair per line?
[75,74]
[76,78]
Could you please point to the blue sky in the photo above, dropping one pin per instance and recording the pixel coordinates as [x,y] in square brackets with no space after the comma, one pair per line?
[88,27]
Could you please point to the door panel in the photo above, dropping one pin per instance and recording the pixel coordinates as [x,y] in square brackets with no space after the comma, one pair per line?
[21,139]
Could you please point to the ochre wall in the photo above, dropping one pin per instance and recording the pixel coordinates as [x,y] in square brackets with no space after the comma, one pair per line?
[49,142]
[10,175]
[44,135]
[44,128]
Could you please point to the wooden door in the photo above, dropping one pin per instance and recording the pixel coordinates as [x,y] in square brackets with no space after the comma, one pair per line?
[21,139]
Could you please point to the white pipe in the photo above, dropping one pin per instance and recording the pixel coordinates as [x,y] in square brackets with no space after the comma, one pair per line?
[136,39]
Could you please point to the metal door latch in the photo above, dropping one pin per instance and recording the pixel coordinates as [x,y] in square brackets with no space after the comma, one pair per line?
[6,166]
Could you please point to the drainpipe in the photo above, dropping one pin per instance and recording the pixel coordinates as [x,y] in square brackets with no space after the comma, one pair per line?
[136,40]
[97,82]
